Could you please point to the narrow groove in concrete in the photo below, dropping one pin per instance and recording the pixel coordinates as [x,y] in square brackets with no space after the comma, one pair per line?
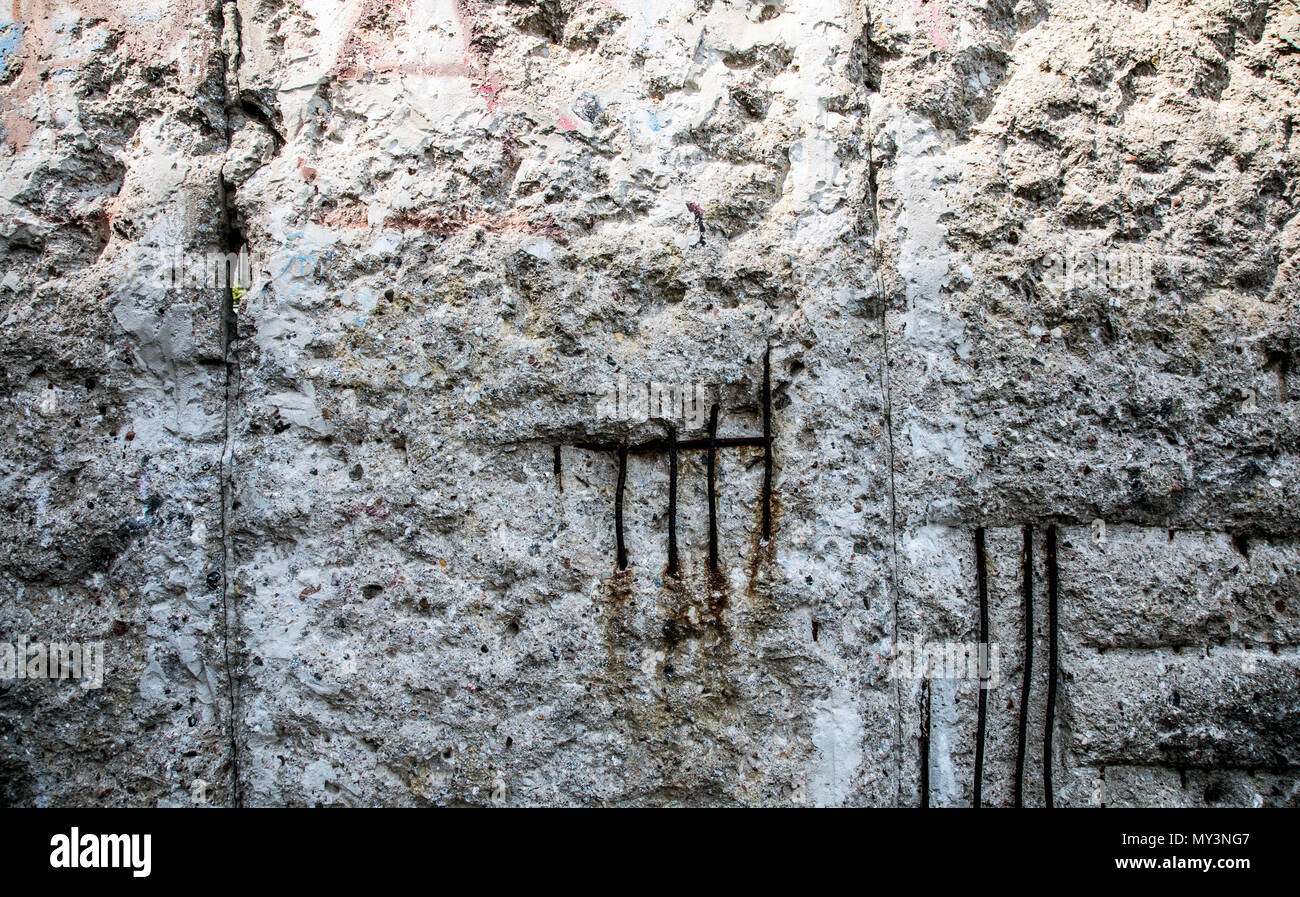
[231,241]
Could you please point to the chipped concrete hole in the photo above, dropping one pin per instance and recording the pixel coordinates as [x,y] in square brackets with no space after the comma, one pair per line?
[960,467]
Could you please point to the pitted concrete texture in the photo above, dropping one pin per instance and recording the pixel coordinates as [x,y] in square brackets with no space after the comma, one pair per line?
[349,530]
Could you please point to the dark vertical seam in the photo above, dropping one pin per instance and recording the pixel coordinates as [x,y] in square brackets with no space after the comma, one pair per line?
[559,470]
[230,360]
[886,396]
[873,212]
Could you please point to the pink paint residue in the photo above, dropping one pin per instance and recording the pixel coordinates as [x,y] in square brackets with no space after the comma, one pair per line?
[568,123]
[491,93]
[933,10]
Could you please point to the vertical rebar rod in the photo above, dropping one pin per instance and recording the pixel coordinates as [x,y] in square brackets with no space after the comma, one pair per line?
[712,487]
[925,740]
[1027,595]
[1052,661]
[767,444]
[672,500]
[981,660]
[618,506]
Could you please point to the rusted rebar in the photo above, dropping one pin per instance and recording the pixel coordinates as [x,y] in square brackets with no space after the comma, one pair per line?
[981,659]
[1052,670]
[618,507]
[1027,593]
[672,500]
[767,444]
[712,487]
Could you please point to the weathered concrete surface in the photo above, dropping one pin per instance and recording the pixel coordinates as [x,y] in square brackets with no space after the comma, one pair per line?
[1017,263]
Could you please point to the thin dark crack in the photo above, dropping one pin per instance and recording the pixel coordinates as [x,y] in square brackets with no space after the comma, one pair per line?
[887,399]
[873,213]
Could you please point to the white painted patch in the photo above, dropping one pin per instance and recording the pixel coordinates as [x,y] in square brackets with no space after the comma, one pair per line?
[198,532]
[945,791]
[930,336]
[837,737]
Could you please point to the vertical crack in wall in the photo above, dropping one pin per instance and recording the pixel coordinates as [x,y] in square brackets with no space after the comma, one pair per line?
[231,243]
[888,400]
[873,199]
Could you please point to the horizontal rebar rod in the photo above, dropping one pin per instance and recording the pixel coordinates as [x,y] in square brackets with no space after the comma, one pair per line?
[685,445]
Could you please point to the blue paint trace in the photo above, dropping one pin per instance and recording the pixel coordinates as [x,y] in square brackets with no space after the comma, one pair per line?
[11,38]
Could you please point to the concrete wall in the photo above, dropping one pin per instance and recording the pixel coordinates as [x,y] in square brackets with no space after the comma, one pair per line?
[348,531]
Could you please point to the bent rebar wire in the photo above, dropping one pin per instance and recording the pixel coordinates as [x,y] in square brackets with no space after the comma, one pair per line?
[673,447]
